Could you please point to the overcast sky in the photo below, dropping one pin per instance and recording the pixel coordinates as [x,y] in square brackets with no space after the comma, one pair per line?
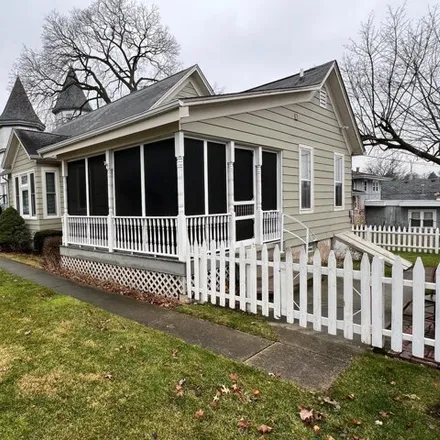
[237,43]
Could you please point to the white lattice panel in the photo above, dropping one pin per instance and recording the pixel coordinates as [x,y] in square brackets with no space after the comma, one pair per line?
[159,283]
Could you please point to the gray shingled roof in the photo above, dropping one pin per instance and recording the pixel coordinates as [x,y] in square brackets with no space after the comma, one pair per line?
[19,111]
[129,105]
[416,189]
[71,97]
[311,77]
[33,140]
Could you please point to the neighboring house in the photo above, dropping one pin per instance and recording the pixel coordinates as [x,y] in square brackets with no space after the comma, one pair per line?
[365,187]
[172,164]
[406,203]
[34,184]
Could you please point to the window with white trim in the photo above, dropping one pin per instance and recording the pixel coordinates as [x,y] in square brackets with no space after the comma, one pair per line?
[375,186]
[422,218]
[25,202]
[50,193]
[306,178]
[339,180]
[323,98]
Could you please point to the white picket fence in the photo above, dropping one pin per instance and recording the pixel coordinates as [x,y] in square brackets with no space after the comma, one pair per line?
[401,239]
[354,302]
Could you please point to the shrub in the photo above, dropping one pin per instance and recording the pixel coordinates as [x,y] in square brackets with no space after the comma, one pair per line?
[14,233]
[50,258]
[40,237]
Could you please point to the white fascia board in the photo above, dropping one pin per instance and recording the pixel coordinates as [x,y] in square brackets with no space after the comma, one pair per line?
[404,203]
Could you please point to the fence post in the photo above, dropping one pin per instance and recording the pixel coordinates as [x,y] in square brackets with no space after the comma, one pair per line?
[317,281]
[265,281]
[276,283]
[436,238]
[365,300]
[348,296]
[368,234]
[397,306]
[288,290]
[242,279]
[232,279]
[418,307]
[377,302]
[332,294]
[437,316]
[303,288]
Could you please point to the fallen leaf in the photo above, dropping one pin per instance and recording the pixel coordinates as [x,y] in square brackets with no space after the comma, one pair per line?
[233,377]
[174,353]
[199,413]
[332,402]
[350,397]
[256,392]
[182,381]
[378,422]
[236,388]
[306,414]
[329,437]
[214,404]
[264,429]
[243,424]
[224,390]
[108,376]
[27,332]
[357,422]
[198,391]
[316,428]
[393,382]
[411,396]
[179,390]
[385,414]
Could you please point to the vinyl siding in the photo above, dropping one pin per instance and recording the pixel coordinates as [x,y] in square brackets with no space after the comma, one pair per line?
[188,91]
[315,127]
[23,164]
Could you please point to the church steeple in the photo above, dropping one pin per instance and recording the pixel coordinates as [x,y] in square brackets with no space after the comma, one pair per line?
[71,101]
[18,111]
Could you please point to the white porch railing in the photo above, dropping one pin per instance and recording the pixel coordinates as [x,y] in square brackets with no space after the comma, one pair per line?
[149,235]
[208,228]
[339,300]
[87,231]
[272,225]
[401,239]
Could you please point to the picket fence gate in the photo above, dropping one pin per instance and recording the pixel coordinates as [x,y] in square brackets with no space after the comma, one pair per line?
[404,239]
[253,282]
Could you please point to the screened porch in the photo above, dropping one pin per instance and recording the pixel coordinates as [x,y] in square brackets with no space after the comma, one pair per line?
[160,197]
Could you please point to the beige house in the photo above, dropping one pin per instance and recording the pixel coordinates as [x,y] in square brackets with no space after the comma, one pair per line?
[147,176]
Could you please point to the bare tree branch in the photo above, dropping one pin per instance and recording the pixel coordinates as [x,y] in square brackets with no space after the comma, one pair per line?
[115,46]
[393,73]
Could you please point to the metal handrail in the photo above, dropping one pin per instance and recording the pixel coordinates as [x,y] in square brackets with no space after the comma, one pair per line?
[308,231]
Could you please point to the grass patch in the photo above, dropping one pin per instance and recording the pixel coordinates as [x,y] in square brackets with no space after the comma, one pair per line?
[72,371]
[246,322]
[429,260]
[29,259]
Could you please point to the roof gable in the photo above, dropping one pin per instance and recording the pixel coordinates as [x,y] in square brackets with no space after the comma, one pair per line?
[18,111]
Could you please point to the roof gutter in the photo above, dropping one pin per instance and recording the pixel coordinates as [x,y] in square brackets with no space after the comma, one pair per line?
[139,117]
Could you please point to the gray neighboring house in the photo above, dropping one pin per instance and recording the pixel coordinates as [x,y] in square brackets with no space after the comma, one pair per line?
[404,203]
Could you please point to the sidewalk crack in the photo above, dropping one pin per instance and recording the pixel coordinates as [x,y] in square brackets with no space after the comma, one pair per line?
[259,351]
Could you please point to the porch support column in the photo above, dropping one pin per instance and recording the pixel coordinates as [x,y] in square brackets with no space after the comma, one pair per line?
[65,207]
[182,238]
[111,200]
[258,198]
[230,158]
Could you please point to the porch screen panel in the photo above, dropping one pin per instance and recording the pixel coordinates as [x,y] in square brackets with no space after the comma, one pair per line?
[160,178]
[194,177]
[269,178]
[128,192]
[243,175]
[98,190]
[217,178]
[76,188]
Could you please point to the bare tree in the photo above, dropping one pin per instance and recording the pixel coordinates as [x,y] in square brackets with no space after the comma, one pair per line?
[115,46]
[393,77]
[386,165]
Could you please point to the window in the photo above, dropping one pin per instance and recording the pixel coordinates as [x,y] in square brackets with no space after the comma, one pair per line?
[306,178]
[339,181]
[375,186]
[422,218]
[76,187]
[25,195]
[50,193]
[365,185]
[323,98]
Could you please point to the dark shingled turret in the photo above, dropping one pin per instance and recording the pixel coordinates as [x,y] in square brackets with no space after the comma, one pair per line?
[18,110]
[71,97]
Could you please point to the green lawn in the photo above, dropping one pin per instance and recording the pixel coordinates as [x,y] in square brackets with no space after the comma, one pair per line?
[246,322]
[429,260]
[71,371]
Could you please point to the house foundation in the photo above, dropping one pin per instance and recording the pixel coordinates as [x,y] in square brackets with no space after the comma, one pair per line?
[157,276]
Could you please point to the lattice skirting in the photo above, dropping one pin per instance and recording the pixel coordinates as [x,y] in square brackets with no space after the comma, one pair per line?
[158,283]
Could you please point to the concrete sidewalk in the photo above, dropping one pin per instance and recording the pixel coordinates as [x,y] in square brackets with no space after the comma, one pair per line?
[312,360]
